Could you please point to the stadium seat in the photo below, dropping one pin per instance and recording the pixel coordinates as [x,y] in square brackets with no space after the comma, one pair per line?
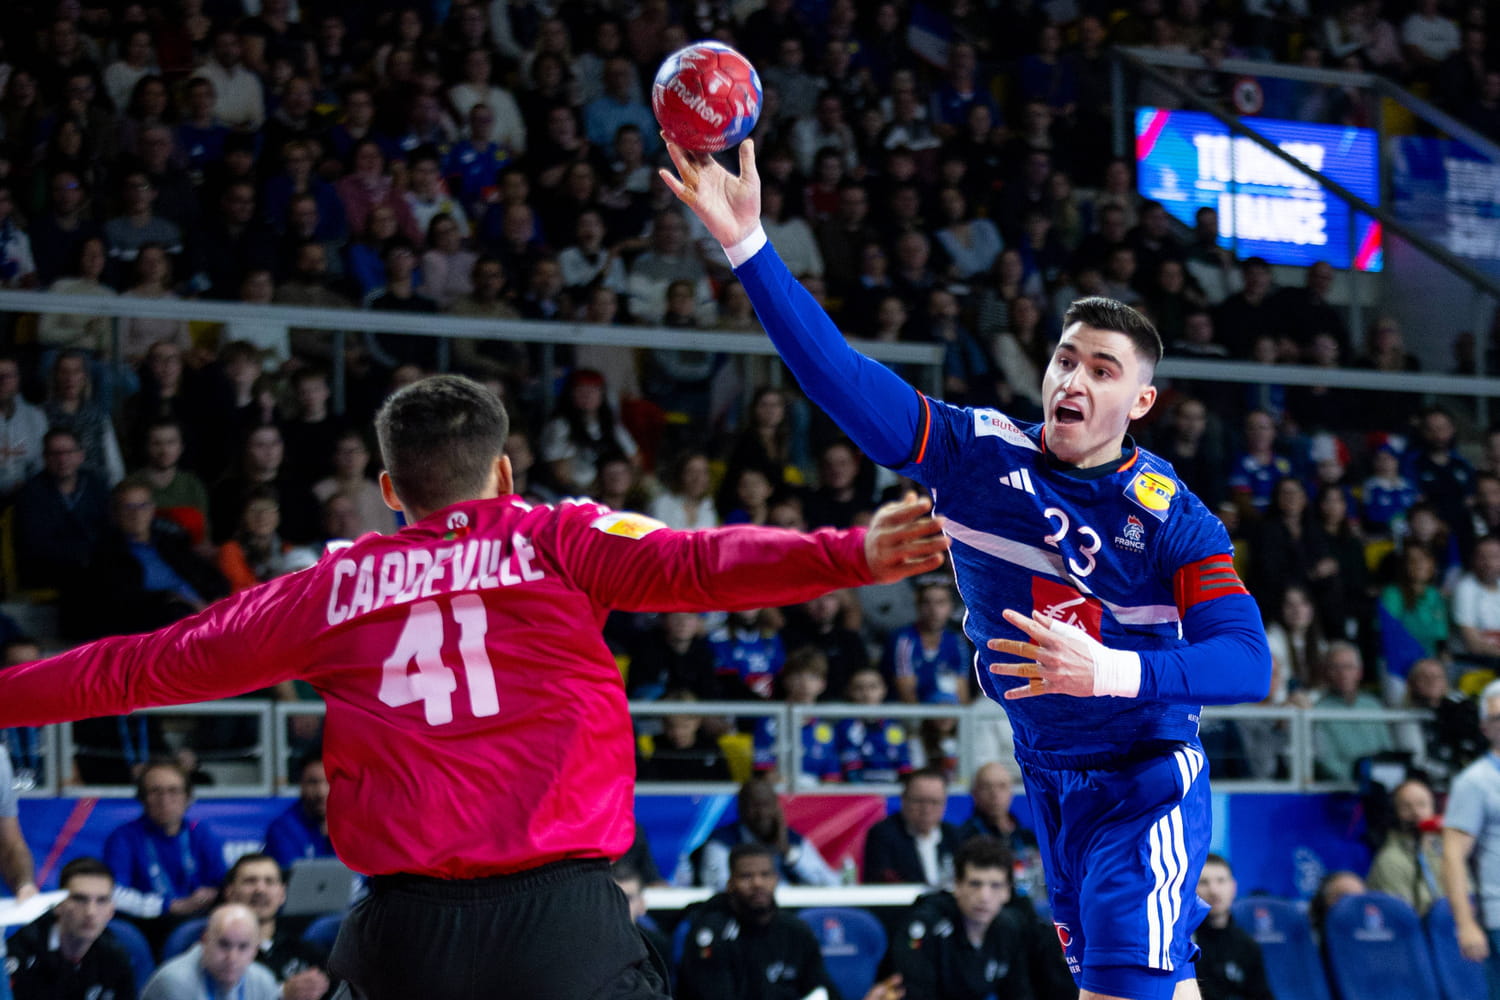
[1375,948]
[853,942]
[1280,928]
[137,948]
[1457,977]
[183,937]
[323,931]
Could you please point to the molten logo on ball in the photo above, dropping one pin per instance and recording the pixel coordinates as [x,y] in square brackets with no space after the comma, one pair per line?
[706,97]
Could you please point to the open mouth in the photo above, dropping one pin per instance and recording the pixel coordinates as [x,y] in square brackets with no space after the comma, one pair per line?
[1067,413]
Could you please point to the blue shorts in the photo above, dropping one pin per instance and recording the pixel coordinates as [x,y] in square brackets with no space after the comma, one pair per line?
[1122,848]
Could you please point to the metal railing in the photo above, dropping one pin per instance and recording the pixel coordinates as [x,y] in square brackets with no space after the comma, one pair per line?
[275,751]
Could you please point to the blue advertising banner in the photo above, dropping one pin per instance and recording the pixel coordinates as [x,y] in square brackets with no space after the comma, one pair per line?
[1188,160]
[1280,844]
[1450,194]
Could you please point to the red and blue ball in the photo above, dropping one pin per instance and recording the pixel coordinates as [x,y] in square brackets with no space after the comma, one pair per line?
[706,97]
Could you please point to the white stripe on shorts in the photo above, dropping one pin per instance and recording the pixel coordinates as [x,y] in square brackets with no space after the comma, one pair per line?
[1169,864]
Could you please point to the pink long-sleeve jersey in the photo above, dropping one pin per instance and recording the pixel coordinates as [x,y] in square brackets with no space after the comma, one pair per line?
[477,723]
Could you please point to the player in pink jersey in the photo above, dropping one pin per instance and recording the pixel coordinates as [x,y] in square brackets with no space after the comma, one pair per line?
[478,743]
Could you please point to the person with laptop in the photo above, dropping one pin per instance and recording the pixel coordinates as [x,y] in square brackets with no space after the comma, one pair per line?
[256,881]
[302,831]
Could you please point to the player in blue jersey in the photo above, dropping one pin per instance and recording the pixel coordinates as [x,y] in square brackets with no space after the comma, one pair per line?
[1081,554]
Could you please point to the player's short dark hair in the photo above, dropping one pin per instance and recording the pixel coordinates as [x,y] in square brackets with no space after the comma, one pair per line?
[253,858]
[750,849]
[83,867]
[1219,859]
[439,438]
[1115,316]
[983,852]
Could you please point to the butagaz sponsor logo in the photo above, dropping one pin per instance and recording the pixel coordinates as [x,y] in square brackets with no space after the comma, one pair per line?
[1132,536]
[695,102]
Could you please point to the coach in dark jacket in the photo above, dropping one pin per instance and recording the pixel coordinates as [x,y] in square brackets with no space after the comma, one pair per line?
[914,844]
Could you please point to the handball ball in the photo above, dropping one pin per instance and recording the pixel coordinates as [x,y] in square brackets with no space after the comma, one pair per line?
[706,97]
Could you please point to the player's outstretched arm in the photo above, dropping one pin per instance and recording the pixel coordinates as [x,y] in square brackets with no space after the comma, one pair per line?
[878,411]
[1225,662]
[742,566]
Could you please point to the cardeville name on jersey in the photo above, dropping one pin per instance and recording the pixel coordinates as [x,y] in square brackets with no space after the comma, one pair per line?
[1121,555]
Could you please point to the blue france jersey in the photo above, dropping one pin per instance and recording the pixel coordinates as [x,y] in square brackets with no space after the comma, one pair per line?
[1116,554]
[936,671]
[820,757]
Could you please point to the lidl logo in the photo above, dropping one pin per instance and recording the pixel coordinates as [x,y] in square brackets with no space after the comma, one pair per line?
[1152,491]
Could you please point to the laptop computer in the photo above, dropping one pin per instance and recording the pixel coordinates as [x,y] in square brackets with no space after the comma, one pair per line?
[318,885]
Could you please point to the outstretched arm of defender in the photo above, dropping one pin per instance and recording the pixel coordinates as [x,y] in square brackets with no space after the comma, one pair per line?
[879,412]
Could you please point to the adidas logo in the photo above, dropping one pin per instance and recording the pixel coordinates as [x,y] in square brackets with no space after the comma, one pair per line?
[1019,480]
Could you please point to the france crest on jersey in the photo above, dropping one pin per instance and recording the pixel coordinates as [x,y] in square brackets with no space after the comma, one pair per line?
[1116,554]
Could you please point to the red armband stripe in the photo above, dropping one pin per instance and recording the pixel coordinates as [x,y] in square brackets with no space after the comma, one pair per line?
[1205,580]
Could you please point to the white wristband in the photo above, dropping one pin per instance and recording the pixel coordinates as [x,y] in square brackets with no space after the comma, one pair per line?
[747,247]
[1117,672]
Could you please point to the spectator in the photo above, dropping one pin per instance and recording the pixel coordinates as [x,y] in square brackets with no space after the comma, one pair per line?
[164,864]
[1339,746]
[70,406]
[748,654]
[972,244]
[472,163]
[1428,37]
[239,99]
[1476,604]
[1449,739]
[583,429]
[299,967]
[842,497]
[176,197]
[1333,887]
[201,133]
[802,681]
[633,884]
[588,262]
[914,844]
[236,241]
[168,392]
[224,958]
[70,952]
[256,552]
[1302,312]
[670,258]
[1298,644]
[88,332]
[17,265]
[791,231]
[490,299]
[1387,494]
[991,789]
[619,105]
[963,943]
[684,751]
[262,463]
[298,180]
[367,186]
[1413,612]
[350,478]
[761,821]
[927,660]
[1230,965]
[153,278]
[741,945]
[61,514]
[872,749]
[686,503]
[1409,863]
[818,623]
[137,60]
[674,657]
[1255,472]
[140,225]
[178,494]
[1469,843]
[22,427]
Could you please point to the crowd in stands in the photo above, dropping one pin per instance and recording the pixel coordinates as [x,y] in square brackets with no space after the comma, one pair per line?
[498,161]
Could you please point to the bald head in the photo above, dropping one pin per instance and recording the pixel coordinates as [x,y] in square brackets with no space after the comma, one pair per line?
[991,790]
[230,943]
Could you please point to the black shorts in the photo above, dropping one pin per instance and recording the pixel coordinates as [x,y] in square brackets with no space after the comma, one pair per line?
[558,932]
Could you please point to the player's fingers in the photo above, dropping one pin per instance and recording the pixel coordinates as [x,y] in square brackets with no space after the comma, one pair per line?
[1030,690]
[1032,628]
[674,185]
[685,165]
[747,159]
[924,565]
[1030,671]
[1015,647]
